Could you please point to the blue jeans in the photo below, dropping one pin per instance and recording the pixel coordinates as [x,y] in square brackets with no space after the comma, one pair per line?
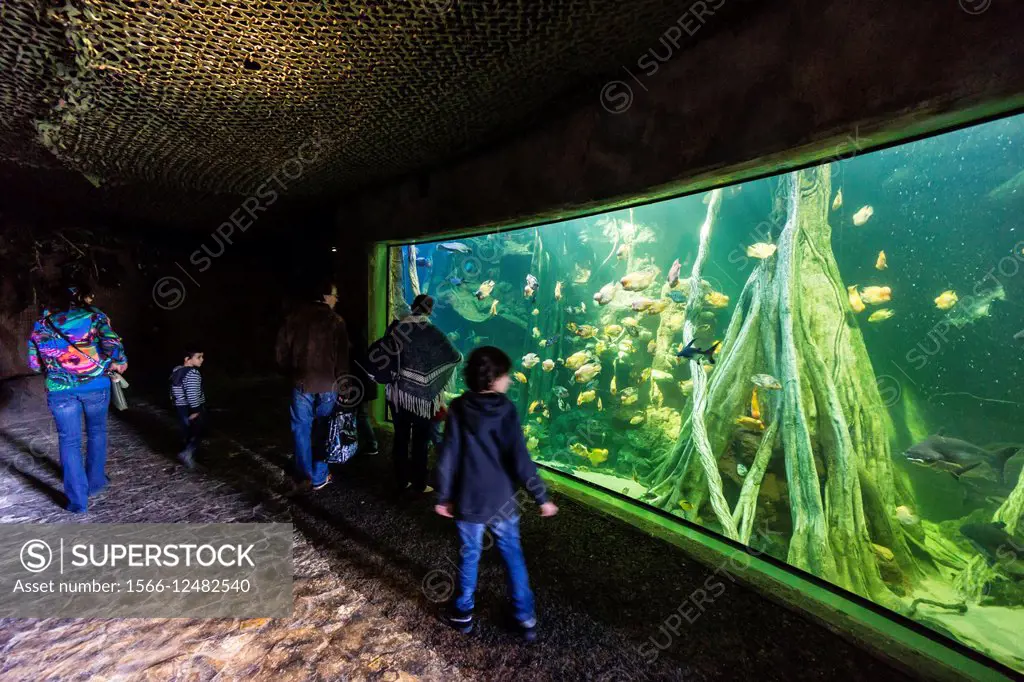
[67,409]
[506,533]
[310,413]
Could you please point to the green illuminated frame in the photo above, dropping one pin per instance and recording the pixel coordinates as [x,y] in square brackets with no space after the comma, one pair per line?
[887,634]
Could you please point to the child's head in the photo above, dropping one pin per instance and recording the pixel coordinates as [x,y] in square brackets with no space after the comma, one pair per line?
[193,357]
[422,305]
[487,370]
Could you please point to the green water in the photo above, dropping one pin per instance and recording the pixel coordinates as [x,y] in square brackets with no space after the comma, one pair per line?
[605,396]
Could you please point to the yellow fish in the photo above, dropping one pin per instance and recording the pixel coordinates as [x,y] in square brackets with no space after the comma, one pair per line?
[597,456]
[755,408]
[612,387]
[586,397]
[536,332]
[630,322]
[657,307]
[533,406]
[716,299]
[629,396]
[587,331]
[856,302]
[645,374]
[876,295]
[532,443]
[880,263]
[535,312]
[761,250]
[879,315]
[600,347]
[530,360]
[637,281]
[547,365]
[484,290]
[637,419]
[605,295]
[578,449]
[652,346]
[863,215]
[520,377]
[626,346]
[571,326]
[837,203]
[576,360]
[751,423]
[946,300]
[494,308]
[558,291]
[686,506]
[587,372]
[581,275]
[613,330]
[600,405]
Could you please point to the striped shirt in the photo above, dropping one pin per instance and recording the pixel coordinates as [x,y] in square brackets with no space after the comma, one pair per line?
[187,387]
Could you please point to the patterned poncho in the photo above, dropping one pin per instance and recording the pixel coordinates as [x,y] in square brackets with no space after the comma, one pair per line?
[426,366]
[67,367]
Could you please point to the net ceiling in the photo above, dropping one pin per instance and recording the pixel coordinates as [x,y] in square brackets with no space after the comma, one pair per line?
[220,96]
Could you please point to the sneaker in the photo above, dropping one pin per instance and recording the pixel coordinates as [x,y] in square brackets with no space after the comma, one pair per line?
[185,456]
[460,620]
[528,630]
[327,482]
[370,451]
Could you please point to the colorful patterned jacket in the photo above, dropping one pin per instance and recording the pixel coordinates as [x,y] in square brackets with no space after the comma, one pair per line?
[69,368]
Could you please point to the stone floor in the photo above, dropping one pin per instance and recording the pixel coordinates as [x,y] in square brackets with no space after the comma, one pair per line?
[369,573]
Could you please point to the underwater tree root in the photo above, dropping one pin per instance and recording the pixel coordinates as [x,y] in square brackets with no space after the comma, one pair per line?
[959,607]
[972,580]
[792,321]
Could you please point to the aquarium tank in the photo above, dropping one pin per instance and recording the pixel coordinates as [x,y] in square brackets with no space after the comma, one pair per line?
[823,364]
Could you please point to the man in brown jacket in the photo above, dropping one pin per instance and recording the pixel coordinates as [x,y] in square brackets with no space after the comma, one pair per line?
[312,347]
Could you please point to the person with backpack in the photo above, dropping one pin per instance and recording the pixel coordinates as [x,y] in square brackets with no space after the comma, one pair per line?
[74,345]
[312,347]
[189,403]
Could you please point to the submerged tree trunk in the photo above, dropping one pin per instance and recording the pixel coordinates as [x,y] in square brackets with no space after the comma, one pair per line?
[792,321]
[971,582]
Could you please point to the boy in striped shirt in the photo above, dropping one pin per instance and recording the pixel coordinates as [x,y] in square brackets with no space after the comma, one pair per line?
[189,402]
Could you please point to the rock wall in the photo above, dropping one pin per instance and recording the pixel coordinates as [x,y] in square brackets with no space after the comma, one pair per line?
[800,75]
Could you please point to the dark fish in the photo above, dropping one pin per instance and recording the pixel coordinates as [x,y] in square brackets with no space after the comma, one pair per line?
[956,456]
[677,296]
[423,262]
[454,281]
[691,351]
[1000,549]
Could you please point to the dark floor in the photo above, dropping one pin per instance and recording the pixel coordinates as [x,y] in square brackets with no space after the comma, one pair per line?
[368,572]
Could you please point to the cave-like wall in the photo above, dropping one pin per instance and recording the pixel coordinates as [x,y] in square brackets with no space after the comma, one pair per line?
[803,75]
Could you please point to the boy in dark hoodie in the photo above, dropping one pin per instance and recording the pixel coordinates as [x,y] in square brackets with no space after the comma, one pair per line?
[482,463]
[189,403]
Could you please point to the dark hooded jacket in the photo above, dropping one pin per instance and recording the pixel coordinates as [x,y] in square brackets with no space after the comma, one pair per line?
[484,459]
[312,347]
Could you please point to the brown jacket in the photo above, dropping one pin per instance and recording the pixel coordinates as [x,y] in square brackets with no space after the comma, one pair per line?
[312,347]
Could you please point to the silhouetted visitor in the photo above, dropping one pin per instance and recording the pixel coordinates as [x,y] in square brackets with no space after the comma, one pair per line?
[483,462]
[74,345]
[426,366]
[312,347]
[189,403]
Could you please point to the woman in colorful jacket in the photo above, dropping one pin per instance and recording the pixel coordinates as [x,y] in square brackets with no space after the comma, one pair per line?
[75,347]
